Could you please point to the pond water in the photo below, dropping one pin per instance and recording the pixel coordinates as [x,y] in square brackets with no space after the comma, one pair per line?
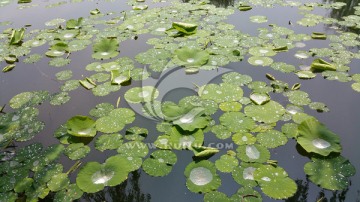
[253,49]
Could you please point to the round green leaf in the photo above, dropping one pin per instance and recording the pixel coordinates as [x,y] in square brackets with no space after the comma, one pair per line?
[160,163]
[81,126]
[270,112]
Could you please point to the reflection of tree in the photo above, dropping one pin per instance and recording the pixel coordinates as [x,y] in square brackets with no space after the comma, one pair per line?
[218,3]
[343,11]
[128,191]
[301,194]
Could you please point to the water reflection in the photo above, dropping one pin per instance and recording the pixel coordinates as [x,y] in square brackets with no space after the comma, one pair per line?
[301,194]
[344,11]
[128,191]
[217,3]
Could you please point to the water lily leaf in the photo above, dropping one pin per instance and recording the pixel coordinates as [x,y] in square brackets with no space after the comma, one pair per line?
[17,36]
[185,28]
[201,177]
[290,130]
[95,12]
[319,65]
[99,77]
[315,137]
[230,106]
[261,51]
[94,176]
[259,98]
[101,110]
[192,120]
[55,22]
[160,163]
[283,67]
[70,85]
[305,74]
[192,57]
[115,121]
[253,153]
[118,77]
[274,182]
[134,149]
[110,141]
[74,24]
[226,163]
[271,139]
[8,68]
[10,59]
[68,34]
[330,173]
[87,83]
[58,182]
[244,7]
[236,78]
[298,97]
[23,185]
[270,112]
[203,152]
[81,126]
[216,196]
[258,19]
[244,174]
[34,58]
[318,35]
[338,76]
[221,93]
[251,195]
[57,49]
[163,142]
[140,7]
[70,193]
[105,89]
[356,87]
[180,139]
[221,132]
[20,99]
[141,94]
[243,139]
[260,61]
[77,151]
[77,45]
[136,133]
[60,98]
[59,62]
[319,107]
[105,49]
[64,75]
[237,122]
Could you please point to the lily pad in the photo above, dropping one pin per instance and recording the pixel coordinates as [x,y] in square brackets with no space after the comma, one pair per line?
[185,28]
[259,98]
[134,149]
[70,193]
[244,174]
[180,139]
[105,49]
[315,137]
[141,94]
[226,163]
[236,78]
[319,65]
[110,141]
[64,75]
[243,139]
[115,121]
[330,173]
[201,177]
[118,77]
[94,176]
[81,126]
[60,98]
[136,133]
[271,139]
[160,163]
[260,61]
[77,151]
[270,112]
[274,182]
[237,122]
[58,182]
[192,57]
[221,93]
[17,36]
[253,153]
[298,97]
[258,19]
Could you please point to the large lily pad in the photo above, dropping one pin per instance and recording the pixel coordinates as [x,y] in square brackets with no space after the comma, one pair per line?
[192,57]
[315,137]
[160,163]
[221,93]
[274,182]
[81,126]
[94,176]
[270,112]
[201,177]
[141,94]
[105,49]
[253,153]
[330,173]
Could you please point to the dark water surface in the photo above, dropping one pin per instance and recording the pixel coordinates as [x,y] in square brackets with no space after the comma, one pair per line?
[343,118]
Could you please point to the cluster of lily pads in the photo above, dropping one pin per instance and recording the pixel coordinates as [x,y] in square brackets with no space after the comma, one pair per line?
[195,37]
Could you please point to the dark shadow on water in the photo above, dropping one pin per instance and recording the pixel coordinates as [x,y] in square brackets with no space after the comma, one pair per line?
[217,3]
[128,191]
